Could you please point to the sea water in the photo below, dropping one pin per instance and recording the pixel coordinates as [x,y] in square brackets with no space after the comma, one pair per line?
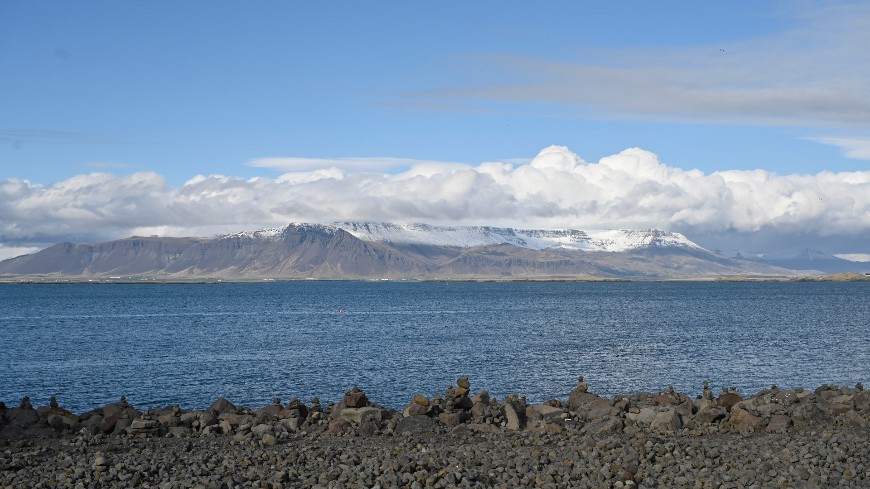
[162,344]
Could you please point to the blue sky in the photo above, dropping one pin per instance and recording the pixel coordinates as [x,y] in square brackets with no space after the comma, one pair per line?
[180,89]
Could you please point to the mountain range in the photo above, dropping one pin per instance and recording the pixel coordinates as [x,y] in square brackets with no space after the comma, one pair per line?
[364,250]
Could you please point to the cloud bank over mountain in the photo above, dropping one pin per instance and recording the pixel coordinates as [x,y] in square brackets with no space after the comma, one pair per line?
[557,189]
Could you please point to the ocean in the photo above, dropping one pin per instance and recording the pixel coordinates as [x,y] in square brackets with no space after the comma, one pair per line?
[161,344]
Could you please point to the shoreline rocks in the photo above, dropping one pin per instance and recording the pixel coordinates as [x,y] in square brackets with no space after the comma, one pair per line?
[641,439]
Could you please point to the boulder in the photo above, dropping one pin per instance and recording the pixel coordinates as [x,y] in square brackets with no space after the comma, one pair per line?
[359,415]
[22,417]
[62,423]
[355,398]
[144,427]
[743,421]
[809,414]
[667,421]
[456,418]
[728,400]
[579,399]
[861,400]
[221,406]
[605,425]
[710,414]
[478,409]
[415,409]
[643,416]
[338,426]
[543,412]
[514,422]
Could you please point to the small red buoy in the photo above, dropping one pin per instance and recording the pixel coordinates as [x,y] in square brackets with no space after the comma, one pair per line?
[341,311]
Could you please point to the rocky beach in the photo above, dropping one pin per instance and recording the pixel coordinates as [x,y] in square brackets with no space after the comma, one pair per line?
[458,438]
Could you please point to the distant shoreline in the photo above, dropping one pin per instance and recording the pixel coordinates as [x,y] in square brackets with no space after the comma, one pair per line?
[840,277]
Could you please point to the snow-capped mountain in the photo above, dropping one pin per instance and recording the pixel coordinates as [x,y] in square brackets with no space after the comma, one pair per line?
[616,240]
[359,250]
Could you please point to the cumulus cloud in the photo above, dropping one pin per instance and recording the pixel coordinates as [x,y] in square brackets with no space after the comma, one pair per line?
[556,189]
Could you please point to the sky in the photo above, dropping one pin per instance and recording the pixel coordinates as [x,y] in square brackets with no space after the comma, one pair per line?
[743,125]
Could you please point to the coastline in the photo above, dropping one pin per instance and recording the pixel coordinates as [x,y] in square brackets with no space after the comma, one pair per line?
[776,437]
[838,277]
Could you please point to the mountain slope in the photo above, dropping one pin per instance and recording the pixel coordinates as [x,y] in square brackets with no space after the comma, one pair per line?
[811,259]
[377,250]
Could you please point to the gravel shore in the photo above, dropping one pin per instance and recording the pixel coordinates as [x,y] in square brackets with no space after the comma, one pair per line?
[775,438]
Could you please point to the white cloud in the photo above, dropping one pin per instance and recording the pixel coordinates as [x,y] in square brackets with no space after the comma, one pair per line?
[858,257]
[293,164]
[852,147]
[556,189]
[814,74]
[13,251]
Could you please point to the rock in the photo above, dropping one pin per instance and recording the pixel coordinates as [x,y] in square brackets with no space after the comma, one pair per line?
[666,422]
[62,423]
[710,414]
[421,400]
[292,424]
[221,406]
[355,398]
[778,423]
[861,400]
[483,398]
[544,412]
[514,422]
[359,415]
[269,440]
[261,429]
[295,409]
[463,383]
[463,402]
[452,419]
[729,399]
[415,409]
[338,426]
[809,414]
[478,409]
[643,417]
[605,425]
[666,399]
[743,421]
[22,416]
[460,392]
[852,418]
[415,424]
[92,424]
[579,399]
[144,427]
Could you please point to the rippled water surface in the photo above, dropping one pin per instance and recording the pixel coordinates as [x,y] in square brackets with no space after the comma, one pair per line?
[250,342]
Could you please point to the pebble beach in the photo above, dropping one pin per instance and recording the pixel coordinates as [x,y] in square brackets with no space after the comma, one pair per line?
[458,438]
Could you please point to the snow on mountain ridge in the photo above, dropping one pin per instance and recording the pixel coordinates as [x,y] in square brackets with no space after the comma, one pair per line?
[612,240]
[270,233]
[538,239]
